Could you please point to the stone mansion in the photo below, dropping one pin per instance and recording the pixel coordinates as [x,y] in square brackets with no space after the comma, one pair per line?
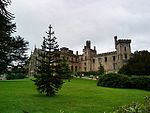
[90,60]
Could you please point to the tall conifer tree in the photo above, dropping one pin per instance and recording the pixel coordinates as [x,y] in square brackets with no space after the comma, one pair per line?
[11,48]
[48,80]
[6,28]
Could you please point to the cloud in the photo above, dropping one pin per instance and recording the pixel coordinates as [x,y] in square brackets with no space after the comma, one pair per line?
[76,21]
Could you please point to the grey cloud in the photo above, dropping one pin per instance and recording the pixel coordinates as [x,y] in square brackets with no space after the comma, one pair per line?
[76,21]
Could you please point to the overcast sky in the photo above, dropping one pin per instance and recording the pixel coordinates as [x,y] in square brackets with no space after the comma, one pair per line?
[75,21]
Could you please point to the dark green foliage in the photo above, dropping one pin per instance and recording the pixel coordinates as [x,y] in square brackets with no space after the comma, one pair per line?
[122,81]
[6,28]
[142,82]
[12,49]
[48,84]
[139,64]
[114,80]
[49,80]
[13,76]
[64,70]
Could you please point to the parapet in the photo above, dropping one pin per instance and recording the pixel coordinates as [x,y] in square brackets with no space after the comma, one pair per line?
[123,41]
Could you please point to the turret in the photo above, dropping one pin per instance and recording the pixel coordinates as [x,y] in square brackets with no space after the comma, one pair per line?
[123,50]
[88,44]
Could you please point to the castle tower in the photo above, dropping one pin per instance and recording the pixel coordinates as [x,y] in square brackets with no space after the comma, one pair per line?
[123,51]
[87,57]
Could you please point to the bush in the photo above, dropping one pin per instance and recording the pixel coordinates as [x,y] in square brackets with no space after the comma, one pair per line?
[114,80]
[13,76]
[122,81]
[142,82]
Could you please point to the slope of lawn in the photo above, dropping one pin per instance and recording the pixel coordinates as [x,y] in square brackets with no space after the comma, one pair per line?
[77,96]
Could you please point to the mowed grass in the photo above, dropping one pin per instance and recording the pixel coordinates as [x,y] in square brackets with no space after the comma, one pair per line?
[77,96]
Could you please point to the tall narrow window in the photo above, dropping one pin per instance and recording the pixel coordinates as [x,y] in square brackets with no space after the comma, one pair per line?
[125,56]
[71,68]
[93,60]
[125,48]
[76,68]
[114,58]
[105,59]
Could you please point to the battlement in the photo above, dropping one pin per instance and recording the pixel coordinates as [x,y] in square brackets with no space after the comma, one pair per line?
[107,53]
[123,41]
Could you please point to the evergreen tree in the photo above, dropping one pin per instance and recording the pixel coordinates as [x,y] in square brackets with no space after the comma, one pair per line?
[18,54]
[12,49]
[6,29]
[64,70]
[48,80]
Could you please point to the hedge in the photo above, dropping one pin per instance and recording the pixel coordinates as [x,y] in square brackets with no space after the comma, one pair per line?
[122,81]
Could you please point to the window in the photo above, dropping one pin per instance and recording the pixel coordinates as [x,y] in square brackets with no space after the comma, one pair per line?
[125,56]
[72,59]
[125,48]
[85,63]
[105,59]
[76,68]
[114,66]
[114,58]
[93,60]
[71,68]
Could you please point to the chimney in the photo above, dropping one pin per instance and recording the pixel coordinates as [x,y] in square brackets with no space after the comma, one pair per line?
[115,39]
[77,53]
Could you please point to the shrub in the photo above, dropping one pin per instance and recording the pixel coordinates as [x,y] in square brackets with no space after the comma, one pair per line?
[142,82]
[114,80]
[12,76]
[122,81]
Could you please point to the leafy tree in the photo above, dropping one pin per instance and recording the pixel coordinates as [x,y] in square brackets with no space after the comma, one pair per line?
[48,80]
[139,64]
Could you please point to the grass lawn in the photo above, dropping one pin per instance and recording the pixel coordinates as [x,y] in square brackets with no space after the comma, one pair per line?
[77,96]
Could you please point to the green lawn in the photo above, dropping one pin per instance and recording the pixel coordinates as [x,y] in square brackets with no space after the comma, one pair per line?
[77,96]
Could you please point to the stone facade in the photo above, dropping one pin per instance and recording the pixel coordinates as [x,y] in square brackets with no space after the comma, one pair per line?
[89,60]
